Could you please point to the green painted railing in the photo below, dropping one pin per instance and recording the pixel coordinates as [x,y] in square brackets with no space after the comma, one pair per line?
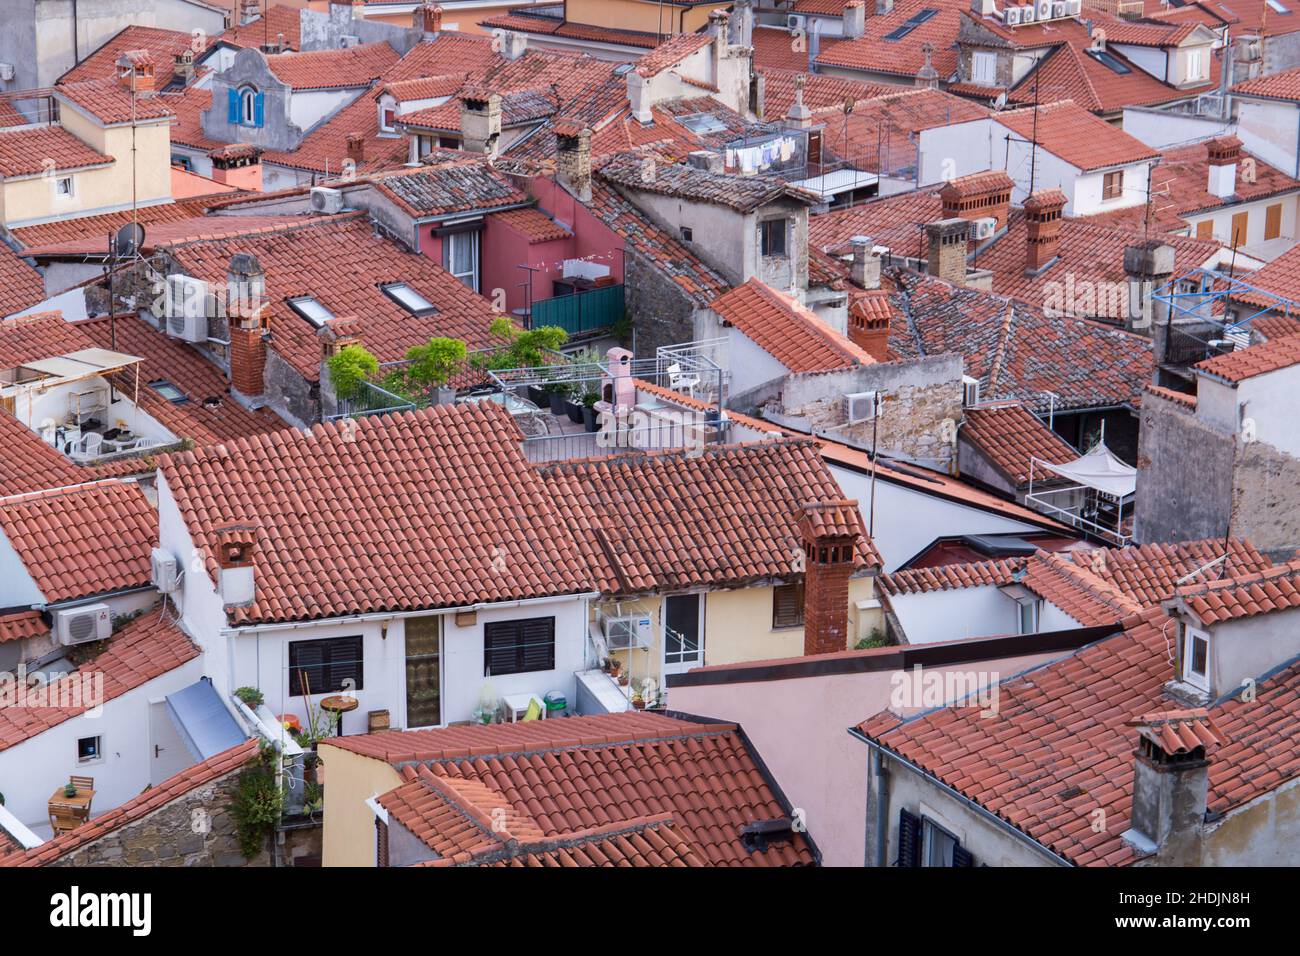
[581,312]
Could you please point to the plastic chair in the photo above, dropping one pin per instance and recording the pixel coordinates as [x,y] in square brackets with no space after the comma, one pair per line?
[679,381]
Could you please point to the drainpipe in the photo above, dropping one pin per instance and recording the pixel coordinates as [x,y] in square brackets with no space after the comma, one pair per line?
[882,803]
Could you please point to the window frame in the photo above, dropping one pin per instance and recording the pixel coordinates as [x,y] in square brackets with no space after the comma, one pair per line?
[988,75]
[521,664]
[1112,185]
[159,384]
[99,750]
[389,289]
[472,236]
[295,303]
[327,666]
[929,829]
[767,227]
[1191,636]
[797,589]
[249,97]
[72,187]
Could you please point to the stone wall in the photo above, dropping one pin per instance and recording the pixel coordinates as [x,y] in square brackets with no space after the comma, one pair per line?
[660,310]
[1266,499]
[1184,480]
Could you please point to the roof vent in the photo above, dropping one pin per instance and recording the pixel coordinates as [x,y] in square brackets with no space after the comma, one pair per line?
[758,835]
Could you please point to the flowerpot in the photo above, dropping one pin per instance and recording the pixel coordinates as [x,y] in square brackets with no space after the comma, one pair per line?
[575,412]
[638,704]
[589,419]
[537,395]
[445,396]
[622,680]
[557,403]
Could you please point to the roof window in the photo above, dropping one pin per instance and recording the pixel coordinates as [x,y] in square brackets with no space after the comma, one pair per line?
[311,310]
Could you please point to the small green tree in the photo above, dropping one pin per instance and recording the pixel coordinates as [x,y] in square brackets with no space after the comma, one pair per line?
[349,367]
[434,364]
[522,348]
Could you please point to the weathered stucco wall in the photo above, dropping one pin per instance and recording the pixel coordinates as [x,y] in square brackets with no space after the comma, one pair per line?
[1184,480]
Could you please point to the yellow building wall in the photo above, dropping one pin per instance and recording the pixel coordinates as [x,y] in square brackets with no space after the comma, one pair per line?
[640,15]
[350,780]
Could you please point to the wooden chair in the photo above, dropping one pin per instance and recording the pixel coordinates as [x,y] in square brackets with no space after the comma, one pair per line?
[82,783]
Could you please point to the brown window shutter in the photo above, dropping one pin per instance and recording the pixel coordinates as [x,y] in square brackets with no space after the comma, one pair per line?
[909,839]
[1273,221]
[787,605]
[1239,223]
[1205,229]
[381,842]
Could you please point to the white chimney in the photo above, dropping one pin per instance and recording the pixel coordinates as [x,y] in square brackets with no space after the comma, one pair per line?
[1223,154]
[236,551]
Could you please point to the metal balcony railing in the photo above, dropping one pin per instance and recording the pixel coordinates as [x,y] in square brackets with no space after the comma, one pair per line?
[591,311]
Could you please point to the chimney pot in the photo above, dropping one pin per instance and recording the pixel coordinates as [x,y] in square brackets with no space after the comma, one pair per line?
[830,531]
[246,312]
[356,148]
[1223,154]
[236,547]
[1043,211]
[984,195]
[946,258]
[480,122]
[573,158]
[854,19]
[135,72]
[428,19]
[1171,783]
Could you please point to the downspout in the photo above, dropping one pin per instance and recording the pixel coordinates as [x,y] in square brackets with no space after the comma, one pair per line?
[882,804]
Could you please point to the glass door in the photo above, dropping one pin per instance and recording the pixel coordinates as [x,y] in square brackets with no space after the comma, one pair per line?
[683,632]
[423,671]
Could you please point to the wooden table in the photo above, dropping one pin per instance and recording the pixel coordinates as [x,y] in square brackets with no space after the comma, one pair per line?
[339,704]
[68,813]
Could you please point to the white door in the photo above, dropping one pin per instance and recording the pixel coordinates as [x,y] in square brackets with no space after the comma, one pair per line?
[168,754]
[683,632]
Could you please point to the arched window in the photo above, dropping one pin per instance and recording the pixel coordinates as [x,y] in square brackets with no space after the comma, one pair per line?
[248,102]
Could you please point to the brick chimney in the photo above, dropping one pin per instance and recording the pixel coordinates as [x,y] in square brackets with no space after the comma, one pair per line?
[854,20]
[573,157]
[246,308]
[357,148]
[946,258]
[830,531]
[1170,784]
[978,196]
[480,122]
[1223,154]
[236,554]
[135,72]
[1043,212]
[869,314]
[238,165]
[428,20]
[183,67]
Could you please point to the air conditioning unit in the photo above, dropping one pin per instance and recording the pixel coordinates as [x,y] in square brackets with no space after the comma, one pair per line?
[347,40]
[1011,16]
[628,631]
[1059,9]
[1044,10]
[7,72]
[326,200]
[92,622]
[163,571]
[795,22]
[187,308]
[860,407]
[983,228]
[970,391]
[1073,7]
[1027,14]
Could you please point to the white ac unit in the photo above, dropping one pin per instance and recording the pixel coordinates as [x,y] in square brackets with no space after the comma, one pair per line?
[1044,10]
[970,391]
[1011,16]
[348,40]
[92,622]
[163,571]
[7,72]
[860,407]
[1073,7]
[326,200]
[983,228]
[187,308]
[1027,14]
[1059,9]
[795,22]
[628,631]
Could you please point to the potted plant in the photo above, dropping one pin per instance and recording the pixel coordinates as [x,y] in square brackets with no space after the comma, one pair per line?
[433,365]
[537,395]
[573,403]
[250,696]
[622,679]
[555,394]
[613,666]
[590,420]
[350,367]
[638,702]
[69,790]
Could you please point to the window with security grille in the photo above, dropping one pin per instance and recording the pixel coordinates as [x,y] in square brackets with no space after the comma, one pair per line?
[517,647]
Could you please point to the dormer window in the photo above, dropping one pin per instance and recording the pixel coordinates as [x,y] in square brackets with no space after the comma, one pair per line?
[245,107]
[1196,61]
[1196,657]
[311,310]
[408,298]
[771,236]
[387,115]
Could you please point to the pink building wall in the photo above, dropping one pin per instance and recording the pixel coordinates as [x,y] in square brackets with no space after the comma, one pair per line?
[592,239]
[504,250]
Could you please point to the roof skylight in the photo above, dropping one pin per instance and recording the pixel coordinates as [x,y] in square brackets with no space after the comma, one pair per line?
[311,310]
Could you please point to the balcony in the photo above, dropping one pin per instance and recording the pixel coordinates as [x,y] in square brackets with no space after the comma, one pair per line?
[582,313]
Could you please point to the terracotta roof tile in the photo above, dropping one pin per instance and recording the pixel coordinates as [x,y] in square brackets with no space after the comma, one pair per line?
[25,150]
[21,286]
[165,45]
[333,69]
[22,624]
[277,19]
[524,20]
[456,186]
[742,193]
[27,463]
[820,91]
[110,103]
[875,52]
[775,48]
[62,230]
[474,539]
[146,647]
[1075,135]
[790,333]
[84,541]
[1009,435]
[675,520]
[1244,595]
[38,335]
[1275,86]
[1182,398]
[1084,596]
[671,53]
[532,224]
[947,577]
[153,799]
[1148,573]
[566,777]
[646,841]
[1270,356]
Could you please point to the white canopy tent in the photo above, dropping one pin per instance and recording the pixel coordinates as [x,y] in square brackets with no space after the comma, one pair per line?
[1100,485]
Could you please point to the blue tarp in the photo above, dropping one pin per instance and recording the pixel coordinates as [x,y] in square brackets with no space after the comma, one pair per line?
[203,721]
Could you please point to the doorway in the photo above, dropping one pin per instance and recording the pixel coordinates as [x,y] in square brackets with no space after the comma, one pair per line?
[423,671]
[683,632]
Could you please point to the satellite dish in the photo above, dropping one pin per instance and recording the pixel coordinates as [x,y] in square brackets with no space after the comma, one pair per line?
[1000,102]
[128,240]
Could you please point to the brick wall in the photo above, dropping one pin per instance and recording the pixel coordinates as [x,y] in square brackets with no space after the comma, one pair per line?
[826,604]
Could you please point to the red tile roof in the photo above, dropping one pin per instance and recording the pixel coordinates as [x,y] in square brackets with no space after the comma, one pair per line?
[741,193]
[107,101]
[1182,398]
[776,49]
[874,53]
[783,328]
[880,134]
[671,52]
[1277,279]
[1009,435]
[21,286]
[333,69]
[1148,573]
[153,799]
[24,151]
[27,463]
[265,29]
[1275,86]
[474,515]
[1060,744]
[62,230]
[820,91]
[164,45]
[1270,356]
[189,106]
[647,841]
[949,577]
[22,624]
[1084,596]
[461,183]
[146,647]
[170,232]
[568,776]
[725,516]
[1075,135]
[1244,595]
[306,260]
[531,223]
[524,20]
[40,335]
[84,541]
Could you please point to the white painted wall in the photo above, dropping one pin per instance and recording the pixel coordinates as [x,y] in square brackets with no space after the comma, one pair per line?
[1161,129]
[309,107]
[1270,130]
[1270,401]
[947,152]
[932,616]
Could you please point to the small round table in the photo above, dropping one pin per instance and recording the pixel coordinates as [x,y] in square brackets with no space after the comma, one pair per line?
[338,704]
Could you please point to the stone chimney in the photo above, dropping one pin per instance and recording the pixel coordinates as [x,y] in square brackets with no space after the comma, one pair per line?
[866,264]
[742,23]
[718,29]
[799,114]
[249,10]
[357,148]
[573,158]
[830,531]
[705,159]
[927,76]
[480,122]
[1170,784]
[1148,265]
[246,311]
[1223,154]
[814,44]
[1043,212]
[135,72]
[513,45]
[428,20]
[854,22]
[236,556]
[946,258]
[978,196]
[869,314]
[183,67]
